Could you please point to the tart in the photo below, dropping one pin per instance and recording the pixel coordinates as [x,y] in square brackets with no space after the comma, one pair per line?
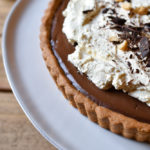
[120,108]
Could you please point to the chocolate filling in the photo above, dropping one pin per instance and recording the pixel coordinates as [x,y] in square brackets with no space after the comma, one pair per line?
[112,99]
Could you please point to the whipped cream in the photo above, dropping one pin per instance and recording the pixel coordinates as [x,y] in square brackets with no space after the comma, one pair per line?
[93,25]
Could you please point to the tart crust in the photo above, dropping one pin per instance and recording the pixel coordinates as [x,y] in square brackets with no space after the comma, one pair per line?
[106,118]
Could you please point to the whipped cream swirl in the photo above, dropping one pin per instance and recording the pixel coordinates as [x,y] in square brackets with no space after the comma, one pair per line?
[112,43]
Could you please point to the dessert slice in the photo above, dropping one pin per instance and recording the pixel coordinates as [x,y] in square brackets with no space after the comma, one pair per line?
[97,51]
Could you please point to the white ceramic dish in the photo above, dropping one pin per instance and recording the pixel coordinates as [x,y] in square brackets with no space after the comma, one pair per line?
[38,95]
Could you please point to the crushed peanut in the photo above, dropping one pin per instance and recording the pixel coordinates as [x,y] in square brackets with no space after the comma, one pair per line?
[141,10]
[113,39]
[123,46]
[119,0]
[126,6]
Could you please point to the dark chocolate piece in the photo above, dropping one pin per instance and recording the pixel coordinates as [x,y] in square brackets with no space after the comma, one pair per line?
[131,56]
[105,10]
[117,20]
[147,24]
[87,11]
[144,47]
[137,71]
[129,64]
[147,27]
[116,42]
[148,62]
[128,1]
[75,44]
[131,34]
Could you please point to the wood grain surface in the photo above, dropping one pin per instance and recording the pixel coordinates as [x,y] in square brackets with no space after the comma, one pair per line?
[16,132]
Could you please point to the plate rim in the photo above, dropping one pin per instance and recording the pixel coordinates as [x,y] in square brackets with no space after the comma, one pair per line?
[11,82]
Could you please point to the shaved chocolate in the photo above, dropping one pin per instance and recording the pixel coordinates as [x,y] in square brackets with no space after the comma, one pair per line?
[75,44]
[128,1]
[105,10]
[87,11]
[131,34]
[138,56]
[148,62]
[112,11]
[147,27]
[145,47]
[147,24]
[137,71]
[129,64]
[132,71]
[117,20]
[127,28]
[131,56]
[116,42]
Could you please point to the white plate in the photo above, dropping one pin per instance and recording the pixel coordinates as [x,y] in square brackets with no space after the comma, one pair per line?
[37,94]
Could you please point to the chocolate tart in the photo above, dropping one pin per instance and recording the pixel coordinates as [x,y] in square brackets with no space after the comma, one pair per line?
[113,110]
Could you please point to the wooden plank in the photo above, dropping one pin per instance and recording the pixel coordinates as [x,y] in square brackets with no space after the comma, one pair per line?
[16,132]
[5,6]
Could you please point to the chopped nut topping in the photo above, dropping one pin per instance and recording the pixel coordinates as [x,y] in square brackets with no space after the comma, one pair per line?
[126,6]
[119,0]
[113,39]
[141,10]
[123,46]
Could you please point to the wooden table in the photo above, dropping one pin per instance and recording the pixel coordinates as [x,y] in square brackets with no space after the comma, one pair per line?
[16,132]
